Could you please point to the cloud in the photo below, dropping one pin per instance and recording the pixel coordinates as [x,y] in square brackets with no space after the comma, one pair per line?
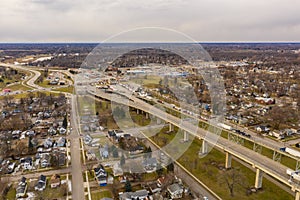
[95,20]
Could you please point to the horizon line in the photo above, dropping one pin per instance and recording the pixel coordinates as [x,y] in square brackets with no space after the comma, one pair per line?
[132,42]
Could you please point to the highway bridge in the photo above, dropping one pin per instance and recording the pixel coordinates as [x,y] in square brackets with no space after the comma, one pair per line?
[261,163]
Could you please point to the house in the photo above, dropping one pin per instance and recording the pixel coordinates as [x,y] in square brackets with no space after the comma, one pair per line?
[47,114]
[104,151]
[41,183]
[150,164]
[54,181]
[262,129]
[21,188]
[61,142]
[87,139]
[90,155]
[154,188]
[175,191]
[278,135]
[62,130]
[101,175]
[140,194]
[30,133]
[111,134]
[161,181]
[11,167]
[45,160]
[27,163]
[288,132]
[51,131]
[40,115]
[61,159]
[48,143]
[16,134]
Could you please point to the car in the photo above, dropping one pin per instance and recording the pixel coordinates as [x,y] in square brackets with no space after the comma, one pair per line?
[160,101]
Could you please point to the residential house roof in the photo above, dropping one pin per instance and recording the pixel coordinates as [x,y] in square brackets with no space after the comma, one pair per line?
[41,183]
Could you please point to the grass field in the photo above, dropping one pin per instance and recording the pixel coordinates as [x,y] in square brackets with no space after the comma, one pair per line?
[44,84]
[11,195]
[101,194]
[69,89]
[18,86]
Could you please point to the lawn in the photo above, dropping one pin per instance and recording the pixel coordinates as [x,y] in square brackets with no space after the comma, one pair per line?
[101,194]
[44,84]
[69,89]
[19,86]
[11,195]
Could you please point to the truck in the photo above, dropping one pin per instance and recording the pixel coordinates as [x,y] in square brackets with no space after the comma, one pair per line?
[290,151]
[294,175]
[225,126]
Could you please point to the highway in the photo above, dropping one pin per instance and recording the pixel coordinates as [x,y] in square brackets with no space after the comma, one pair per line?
[273,168]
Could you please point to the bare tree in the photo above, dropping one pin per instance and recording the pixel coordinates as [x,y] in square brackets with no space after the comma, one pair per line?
[231,179]
[20,148]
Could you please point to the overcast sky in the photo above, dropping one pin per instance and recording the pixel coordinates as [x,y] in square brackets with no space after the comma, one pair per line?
[96,20]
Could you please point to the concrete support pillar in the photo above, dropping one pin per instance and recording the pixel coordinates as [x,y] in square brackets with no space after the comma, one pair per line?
[147,115]
[258,179]
[137,111]
[171,127]
[185,136]
[297,196]
[204,147]
[158,120]
[228,160]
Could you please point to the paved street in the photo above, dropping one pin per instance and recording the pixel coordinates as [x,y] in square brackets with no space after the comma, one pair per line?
[77,179]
